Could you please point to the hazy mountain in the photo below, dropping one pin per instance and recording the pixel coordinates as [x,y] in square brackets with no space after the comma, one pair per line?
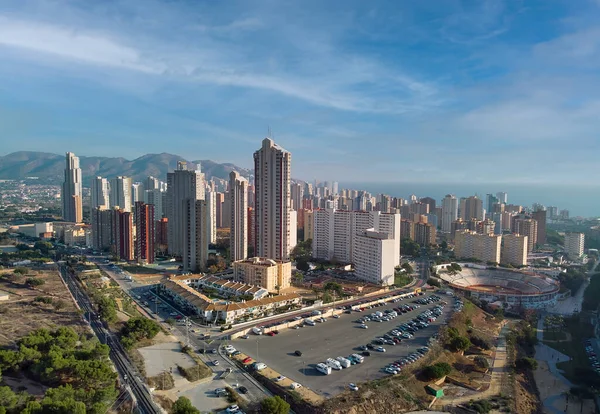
[50,167]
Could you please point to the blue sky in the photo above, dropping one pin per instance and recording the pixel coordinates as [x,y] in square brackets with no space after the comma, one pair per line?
[427,91]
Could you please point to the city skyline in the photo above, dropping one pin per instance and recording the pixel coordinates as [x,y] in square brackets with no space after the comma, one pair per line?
[327,82]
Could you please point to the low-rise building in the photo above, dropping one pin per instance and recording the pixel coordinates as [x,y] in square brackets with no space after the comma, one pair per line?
[225,287]
[270,274]
[215,311]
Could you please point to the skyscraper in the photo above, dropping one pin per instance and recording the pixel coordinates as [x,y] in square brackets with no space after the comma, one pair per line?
[211,210]
[196,233]
[123,234]
[182,185]
[272,169]
[144,232]
[137,193]
[471,207]
[120,193]
[502,197]
[449,212]
[238,199]
[100,193]
[527,227]
[71,190]
[540,217]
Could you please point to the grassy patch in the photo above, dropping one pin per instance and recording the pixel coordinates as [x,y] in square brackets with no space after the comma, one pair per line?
[402,279]
[163,381]
[552,335]
[195,373]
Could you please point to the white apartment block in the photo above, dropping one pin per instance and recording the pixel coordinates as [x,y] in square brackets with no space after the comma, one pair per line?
[100,193]
[335,232]
[484,247]
[272,170]
[449,212]
[514,250]
[374,255]
[574,245]
[120,193]
[238,208]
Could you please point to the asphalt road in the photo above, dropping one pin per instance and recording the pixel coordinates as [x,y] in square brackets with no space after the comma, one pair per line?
[336,337]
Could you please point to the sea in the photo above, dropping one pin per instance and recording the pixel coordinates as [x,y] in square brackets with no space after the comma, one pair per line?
[580,200]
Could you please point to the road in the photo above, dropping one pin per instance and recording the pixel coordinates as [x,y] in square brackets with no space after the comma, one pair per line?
[127,372]
[162,310]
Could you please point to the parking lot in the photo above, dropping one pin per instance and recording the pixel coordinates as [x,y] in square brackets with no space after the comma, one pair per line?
[338,337]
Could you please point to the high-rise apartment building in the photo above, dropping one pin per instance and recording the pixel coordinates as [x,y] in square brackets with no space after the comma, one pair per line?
[157,198]
[220,199]
[238,199]
[137,193]
[100,193]
[540,217]
[449,212]
[270,274]
[182,185]
[527,227]
[211,210]
[514,250]
[502,197]
[71,190]
[297,194]
[425,233]
[335,231]
[272,170]
[102,228]
[251,238]
[120,193]
[309,229]
[430,202]
[374,255]
[574,245]
[471,207]
[484,247]
[144,232]
[161,238]
[123,234]
[196,234]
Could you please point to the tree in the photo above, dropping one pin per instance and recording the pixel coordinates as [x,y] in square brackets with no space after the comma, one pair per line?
[436,371]
[410,247]
[183,405]
[460,343]
[526,364]
[408,268]
[274,405]
[8,398]
[138,328]
[433,282]
[42,246]
[303,265]
[298,277]
[482,362]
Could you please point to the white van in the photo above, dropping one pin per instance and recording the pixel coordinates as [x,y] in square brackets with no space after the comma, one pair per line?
[334,364]
[257,331]
[323,368]
[309,321]
[344,362]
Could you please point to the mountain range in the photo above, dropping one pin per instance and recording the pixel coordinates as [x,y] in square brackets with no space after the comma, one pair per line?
[49,168]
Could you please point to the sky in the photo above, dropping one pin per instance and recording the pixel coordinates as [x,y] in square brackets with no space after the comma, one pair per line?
[391,91]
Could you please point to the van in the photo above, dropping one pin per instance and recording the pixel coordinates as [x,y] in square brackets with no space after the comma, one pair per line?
[309,321]
[257,331]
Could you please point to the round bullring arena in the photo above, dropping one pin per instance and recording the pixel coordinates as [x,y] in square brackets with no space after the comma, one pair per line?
[514,288]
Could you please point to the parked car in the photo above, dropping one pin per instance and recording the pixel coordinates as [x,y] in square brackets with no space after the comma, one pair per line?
[298,353]
[243,390]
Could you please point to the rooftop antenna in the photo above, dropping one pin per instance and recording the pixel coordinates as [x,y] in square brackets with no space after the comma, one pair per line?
[269,131]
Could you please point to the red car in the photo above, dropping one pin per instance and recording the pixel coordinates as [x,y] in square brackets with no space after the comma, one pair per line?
[178,317]
[271,333]
[247,360]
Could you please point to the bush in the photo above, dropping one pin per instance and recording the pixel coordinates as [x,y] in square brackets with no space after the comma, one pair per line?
[480,342]
[274,405]
[184,406]
[460,343]
[43,299]
[21,271]
[482,362]
[433,282]
[526,364]
[482,406]
[436,371]
[32,282]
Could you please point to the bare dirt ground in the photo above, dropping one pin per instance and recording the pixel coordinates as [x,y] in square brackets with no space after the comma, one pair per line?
[22,314]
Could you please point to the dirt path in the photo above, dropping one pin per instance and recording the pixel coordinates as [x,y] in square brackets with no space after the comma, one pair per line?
[498,370]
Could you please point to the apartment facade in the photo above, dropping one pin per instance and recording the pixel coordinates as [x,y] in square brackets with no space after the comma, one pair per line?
[120,193]
[374,257]
[270,274]
[574,245]
[514,250]
[144,232]
[238,199]
[272,171]
[71,195]
[483,247]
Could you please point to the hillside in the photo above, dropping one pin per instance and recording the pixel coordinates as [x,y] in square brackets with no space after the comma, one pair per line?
[49,167]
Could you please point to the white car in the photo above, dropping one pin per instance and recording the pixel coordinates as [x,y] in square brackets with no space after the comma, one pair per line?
[391,370]
[233,409]
[279,378]
[353,386]
[295,385]
[215,362]
[336,316]
[363,326]
[380,349]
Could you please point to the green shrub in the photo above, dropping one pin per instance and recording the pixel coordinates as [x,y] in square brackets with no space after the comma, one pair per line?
[435,371]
